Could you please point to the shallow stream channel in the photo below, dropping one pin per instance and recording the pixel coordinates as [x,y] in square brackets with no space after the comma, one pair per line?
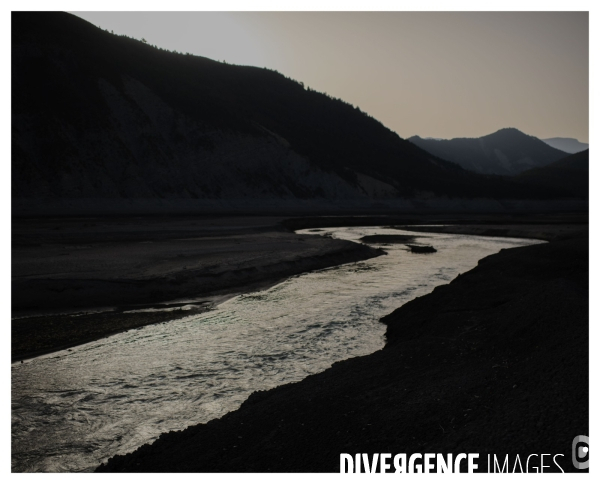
[72,410]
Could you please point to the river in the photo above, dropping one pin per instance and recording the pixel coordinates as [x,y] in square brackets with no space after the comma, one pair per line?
[72,410]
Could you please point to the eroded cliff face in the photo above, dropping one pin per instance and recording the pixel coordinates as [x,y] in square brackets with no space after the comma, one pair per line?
[140,155]
[149,150]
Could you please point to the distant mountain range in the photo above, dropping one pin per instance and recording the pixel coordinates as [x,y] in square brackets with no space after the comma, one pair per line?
[505,152]
[102,122]
[568,145]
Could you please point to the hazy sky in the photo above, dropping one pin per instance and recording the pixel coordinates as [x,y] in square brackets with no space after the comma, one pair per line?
[440,74]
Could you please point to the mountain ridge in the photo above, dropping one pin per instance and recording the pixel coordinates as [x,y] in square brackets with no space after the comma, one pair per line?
[507,151]
[568,145]
[101,122]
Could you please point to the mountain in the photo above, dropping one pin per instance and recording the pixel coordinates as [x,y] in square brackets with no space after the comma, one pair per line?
[505,152]
[568,145]
[106,123]
[571,173]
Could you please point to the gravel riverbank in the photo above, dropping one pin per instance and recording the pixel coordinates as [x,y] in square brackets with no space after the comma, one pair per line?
[496,362]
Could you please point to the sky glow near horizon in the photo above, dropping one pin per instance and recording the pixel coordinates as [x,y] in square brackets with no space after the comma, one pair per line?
[439,74]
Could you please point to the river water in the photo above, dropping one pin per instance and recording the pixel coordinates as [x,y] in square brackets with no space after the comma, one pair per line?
[72,410]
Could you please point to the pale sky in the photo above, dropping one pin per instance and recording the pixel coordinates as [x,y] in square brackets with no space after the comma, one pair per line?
[439,74]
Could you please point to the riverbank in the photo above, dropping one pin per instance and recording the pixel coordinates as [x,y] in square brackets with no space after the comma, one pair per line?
[80,279]
[494,362]
[540,231]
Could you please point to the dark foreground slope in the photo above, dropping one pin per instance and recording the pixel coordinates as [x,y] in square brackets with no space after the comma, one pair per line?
[505,152]
[571,174]
[108,124]
[494,362]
